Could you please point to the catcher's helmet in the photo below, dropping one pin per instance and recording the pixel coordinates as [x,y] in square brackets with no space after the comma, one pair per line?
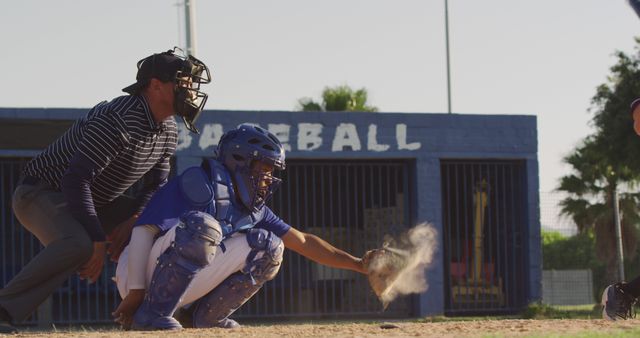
[238,150]
[187,72]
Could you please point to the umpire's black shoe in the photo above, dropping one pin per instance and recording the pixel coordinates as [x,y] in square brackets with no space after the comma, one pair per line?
[6,325]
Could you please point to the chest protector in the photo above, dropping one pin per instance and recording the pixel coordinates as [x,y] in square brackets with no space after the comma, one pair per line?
[210,188]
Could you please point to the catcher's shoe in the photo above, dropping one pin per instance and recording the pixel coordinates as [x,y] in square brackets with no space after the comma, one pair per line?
[185,317]
[616,304]
[228,323]
[6,325]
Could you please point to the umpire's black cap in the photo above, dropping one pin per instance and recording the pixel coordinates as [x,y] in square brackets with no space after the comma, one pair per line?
[162,66]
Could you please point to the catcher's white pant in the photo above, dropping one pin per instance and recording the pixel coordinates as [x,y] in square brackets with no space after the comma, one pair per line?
[223,265]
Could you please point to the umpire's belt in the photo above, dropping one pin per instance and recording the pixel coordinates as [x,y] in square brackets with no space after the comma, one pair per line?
[29,180]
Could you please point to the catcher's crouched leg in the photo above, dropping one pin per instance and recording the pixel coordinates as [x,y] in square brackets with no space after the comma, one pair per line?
[194,247]
[213,309]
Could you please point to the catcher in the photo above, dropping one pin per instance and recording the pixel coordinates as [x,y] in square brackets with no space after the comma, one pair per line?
[206,242]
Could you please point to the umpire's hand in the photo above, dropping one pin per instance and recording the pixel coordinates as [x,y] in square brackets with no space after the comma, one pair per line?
[119,237]
[92,269]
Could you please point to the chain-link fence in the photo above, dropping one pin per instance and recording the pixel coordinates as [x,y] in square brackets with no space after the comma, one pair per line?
[551,218]
[563,287]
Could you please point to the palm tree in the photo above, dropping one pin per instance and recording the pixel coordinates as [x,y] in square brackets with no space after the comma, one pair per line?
[340,98]
[590,202]
[605,162]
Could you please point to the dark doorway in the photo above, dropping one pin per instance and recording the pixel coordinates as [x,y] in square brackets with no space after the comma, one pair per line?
[485,233]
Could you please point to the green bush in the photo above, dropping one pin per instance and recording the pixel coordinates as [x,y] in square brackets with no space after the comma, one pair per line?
[565,253]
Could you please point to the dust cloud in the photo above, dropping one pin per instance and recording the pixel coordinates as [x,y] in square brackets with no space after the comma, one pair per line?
[414,251]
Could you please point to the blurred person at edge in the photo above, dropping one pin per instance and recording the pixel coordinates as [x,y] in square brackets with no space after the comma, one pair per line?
[619,299]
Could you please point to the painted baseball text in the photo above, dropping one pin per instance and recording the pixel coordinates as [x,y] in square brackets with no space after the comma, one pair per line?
[310,137]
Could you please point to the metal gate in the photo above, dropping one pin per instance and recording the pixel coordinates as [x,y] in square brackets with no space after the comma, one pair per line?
[351,204]
[485,232]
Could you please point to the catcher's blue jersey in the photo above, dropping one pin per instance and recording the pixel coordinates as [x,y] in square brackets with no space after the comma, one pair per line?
[169,203]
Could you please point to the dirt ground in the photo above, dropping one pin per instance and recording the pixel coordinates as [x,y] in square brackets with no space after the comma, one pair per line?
[477,328]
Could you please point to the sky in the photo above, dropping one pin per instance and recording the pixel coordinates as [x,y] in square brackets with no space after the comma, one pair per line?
[542,58]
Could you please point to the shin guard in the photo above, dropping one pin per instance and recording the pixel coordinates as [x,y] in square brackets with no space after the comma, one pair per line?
[213,309]
[194,247]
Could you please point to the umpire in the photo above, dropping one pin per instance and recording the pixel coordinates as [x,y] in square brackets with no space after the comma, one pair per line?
[69,193]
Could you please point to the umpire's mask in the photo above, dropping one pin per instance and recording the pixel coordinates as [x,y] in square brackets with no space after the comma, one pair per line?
[186,72]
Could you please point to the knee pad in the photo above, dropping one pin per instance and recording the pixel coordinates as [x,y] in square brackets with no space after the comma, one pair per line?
[197,236]
[267,266]
[194,247]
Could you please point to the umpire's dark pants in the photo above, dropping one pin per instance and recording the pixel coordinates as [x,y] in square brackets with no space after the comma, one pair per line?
[43,212]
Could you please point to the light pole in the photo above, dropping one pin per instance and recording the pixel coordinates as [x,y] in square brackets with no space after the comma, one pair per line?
[190,25]
[446,30]
[619,247]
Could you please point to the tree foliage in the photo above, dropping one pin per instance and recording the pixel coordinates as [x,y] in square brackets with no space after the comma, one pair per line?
[607,161]
[567,253]
[339,98]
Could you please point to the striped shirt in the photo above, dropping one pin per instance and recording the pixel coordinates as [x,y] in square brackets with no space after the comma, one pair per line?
[104,153]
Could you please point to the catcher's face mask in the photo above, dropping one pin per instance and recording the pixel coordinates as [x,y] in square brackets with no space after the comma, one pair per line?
[262,182]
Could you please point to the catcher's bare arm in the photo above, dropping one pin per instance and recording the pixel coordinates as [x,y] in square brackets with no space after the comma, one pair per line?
[318,250]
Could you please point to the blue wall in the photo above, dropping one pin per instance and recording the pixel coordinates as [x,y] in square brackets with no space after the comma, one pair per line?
[427,138]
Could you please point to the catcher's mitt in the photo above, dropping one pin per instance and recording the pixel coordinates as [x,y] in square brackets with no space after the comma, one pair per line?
[383,267]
